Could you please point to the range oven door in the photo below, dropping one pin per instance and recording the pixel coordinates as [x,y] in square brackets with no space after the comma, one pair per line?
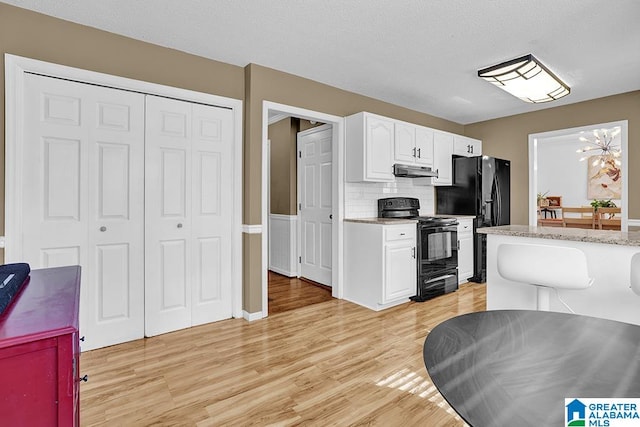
[431,287]
[437,249]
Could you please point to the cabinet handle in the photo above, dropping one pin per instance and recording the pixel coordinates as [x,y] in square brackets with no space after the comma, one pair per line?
[85,378]
[413,151]
[103,228]
[413,252]
[419,156]
[82,338]
[179,225]
[402,234]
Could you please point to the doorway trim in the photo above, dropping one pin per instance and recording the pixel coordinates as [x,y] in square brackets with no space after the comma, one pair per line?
[337,183]
[536,138]
[17,66]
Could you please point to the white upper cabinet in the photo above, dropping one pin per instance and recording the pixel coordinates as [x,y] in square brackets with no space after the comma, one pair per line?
[369,148]
[375,143]
[442,154]
[413,144]
[424,146]
[465,146]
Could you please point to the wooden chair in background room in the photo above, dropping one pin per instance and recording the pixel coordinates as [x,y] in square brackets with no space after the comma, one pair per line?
[578,217]
[548,215]
[607,219]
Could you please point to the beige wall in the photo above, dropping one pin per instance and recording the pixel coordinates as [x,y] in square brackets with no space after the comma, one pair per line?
[283,166]
[508,138]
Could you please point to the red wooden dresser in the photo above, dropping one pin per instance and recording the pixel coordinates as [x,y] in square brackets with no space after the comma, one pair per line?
[40,351]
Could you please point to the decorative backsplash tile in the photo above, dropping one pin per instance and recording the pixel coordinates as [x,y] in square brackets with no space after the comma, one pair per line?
[361,198]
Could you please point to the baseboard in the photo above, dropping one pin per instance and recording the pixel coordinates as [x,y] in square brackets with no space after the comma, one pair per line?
[283,271]
[252,316]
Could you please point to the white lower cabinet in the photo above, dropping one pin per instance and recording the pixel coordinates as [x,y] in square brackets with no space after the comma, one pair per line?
[380,264]
[465,249]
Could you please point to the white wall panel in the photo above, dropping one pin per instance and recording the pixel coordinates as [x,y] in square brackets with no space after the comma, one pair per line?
[282,244]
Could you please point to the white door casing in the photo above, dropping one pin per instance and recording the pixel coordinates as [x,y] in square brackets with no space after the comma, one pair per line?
[315,203]
[83,198]
[188,214]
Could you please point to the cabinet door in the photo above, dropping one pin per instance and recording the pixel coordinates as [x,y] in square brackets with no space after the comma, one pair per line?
[379,149]
[405,143]
[424,146]
[442,152]
[400,271]
[465,146]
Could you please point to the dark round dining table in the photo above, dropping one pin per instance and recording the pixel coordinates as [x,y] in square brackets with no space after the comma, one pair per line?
[516,367]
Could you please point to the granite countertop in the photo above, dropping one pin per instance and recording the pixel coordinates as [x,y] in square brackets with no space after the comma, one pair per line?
[560,233]
[382,221]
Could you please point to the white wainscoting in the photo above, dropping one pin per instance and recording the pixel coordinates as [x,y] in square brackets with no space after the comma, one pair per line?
[283,244]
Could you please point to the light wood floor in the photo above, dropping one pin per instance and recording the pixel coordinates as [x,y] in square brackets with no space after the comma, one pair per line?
[292,293]
[332,363]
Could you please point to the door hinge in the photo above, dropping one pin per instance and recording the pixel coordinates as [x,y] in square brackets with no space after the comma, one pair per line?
[299,206]
[299,154]
[299,260]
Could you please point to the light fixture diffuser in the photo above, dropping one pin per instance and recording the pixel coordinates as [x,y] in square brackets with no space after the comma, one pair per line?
[526,78]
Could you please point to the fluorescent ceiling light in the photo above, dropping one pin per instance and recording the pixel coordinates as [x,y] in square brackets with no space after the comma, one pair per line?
[527,79]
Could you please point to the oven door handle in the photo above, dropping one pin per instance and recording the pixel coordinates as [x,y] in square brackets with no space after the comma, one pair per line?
[435,279]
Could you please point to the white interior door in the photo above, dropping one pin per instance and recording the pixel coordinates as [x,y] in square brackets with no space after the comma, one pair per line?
[188,214]
[315,205]
[82,198]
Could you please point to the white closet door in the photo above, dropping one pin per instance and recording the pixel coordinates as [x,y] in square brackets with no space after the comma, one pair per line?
[167,215]
[82,198]
[212,214]
[188,214]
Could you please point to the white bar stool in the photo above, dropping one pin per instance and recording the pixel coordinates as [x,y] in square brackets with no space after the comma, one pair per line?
[635,273]
[546,267]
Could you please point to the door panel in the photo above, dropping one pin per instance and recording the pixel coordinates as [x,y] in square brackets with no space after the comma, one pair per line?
[167,215]
[315,183]
[188,213]
[82,198]
[212,218]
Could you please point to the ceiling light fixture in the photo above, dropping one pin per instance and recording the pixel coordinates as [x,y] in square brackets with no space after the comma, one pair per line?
[602,142]
[526,78]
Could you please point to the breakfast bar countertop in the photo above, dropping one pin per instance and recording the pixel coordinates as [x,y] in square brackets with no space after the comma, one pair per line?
[572,234]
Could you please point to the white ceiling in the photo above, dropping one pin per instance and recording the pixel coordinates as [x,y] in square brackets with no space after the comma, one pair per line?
[420,54]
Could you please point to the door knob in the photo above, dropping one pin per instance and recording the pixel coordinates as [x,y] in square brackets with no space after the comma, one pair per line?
[179,225]
[103,228]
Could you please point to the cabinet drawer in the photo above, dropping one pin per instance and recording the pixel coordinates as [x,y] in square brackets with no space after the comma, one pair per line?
[465,227]
[399,233]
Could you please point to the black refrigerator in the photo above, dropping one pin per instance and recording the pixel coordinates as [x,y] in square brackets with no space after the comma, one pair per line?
[480,188]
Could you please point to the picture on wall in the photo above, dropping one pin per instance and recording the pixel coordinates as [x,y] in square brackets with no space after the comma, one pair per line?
[604,182]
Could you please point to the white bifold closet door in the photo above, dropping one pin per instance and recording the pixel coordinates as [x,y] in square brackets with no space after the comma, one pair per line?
[188,214]
[137,190]
[82,198]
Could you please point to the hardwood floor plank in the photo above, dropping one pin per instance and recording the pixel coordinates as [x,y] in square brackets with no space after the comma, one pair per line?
[331,363]
[287,294]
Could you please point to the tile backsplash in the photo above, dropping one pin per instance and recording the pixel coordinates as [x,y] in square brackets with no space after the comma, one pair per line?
[361,198]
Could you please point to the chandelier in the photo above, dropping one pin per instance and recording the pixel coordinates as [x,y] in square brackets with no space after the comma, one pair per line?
[601,145]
